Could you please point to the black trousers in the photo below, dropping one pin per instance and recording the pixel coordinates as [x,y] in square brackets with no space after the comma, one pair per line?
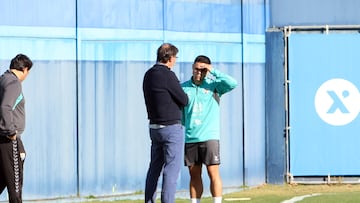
[12,156]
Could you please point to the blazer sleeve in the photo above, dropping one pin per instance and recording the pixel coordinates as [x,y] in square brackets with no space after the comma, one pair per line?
[176,91]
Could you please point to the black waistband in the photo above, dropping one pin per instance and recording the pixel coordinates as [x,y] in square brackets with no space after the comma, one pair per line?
[165,122]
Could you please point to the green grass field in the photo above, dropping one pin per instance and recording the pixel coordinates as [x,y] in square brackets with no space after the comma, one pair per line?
[332,193]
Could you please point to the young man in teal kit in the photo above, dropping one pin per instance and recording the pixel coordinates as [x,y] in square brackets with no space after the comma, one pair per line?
[201,118]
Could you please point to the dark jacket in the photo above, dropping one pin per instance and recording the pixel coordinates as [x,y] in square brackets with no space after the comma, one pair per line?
[164,97]
[12,105]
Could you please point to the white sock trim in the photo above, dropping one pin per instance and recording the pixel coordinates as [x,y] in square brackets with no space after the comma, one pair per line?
[217,199]
[194,200]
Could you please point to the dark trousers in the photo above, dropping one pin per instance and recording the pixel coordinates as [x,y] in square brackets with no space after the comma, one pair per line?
[12,155]
[167,149]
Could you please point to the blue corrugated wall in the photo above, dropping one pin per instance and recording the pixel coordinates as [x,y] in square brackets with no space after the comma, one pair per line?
[86,128]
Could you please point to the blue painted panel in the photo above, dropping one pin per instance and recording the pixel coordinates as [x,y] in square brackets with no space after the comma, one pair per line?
[202,16]
[48,49]
[319,12]
[119,50]
[231,125]
[38,13]
[219,50]
[35,32]
[121,14]
[254,123]
[254,17]
[50,135]
[254,48]
[113,133]
[220,47]
[172,15]
[324,98]
[275,108]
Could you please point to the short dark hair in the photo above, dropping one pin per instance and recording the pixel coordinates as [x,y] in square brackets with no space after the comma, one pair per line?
[21,61]
[202,59]
[165,52]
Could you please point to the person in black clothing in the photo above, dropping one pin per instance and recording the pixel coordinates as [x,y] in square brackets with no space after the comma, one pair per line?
[12,124]
[164,99]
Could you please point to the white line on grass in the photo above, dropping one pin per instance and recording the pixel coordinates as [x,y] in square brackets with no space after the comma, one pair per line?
[299,198]
[237,199]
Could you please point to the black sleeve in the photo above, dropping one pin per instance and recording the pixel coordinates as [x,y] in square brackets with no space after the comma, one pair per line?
[176,91]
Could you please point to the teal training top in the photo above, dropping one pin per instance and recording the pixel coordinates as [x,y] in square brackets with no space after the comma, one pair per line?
[201,117]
